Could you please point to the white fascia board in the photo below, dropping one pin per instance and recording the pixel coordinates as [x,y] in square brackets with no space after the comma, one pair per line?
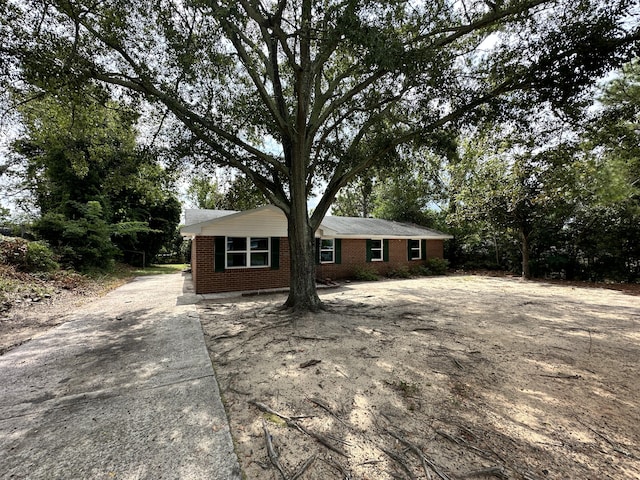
[324,232]
[394,237]
[190,231]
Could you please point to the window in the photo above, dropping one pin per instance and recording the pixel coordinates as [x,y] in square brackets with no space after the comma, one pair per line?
[415,252]
[377,250]
[327,250]
[243,252]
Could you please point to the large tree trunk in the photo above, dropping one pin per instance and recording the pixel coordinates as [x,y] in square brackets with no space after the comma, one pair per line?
[524,242]
[303,295]
[302,283]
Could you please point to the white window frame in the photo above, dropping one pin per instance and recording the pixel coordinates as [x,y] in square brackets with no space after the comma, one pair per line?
[247,252]
[377,249]
[419,249]
[331,249]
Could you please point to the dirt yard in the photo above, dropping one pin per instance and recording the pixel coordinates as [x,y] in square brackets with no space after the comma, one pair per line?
[38,306]
[441,378]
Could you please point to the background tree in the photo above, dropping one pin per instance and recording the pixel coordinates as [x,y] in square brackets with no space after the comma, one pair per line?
[242,194]
[408,190]
[355,199]
[603,234]
[336,85]
[204,192]
[411,190]
[147,197]
[238,194]
[96,191]
[514,184]
[571,197]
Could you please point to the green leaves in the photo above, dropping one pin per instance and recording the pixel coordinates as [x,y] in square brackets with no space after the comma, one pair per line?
[99,194]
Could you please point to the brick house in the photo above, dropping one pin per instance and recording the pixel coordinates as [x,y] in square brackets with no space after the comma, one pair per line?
[239,251]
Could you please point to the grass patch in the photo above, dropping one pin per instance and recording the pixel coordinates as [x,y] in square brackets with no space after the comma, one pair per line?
[126,272]
[123,273]
[160,269]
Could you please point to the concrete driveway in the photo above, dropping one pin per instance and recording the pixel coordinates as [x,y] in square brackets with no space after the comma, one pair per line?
[124,390]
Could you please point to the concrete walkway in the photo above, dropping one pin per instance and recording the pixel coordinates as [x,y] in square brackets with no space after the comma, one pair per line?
[124,390]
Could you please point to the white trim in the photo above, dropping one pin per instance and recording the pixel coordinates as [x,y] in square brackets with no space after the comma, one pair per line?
[332,250]
[419,257]
[247,253]
[381,249]
[392,237]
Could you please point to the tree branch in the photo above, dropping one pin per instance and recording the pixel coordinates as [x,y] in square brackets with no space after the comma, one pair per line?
[489,19]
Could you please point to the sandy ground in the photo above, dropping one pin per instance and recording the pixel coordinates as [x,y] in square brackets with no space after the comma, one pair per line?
[32,317]
[439,378]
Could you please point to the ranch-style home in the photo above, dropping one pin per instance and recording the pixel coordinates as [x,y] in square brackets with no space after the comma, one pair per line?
[249,250]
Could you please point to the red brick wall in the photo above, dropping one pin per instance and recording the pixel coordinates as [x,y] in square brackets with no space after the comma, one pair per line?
[201,261]
[207,280]
[354,255]
[435,249]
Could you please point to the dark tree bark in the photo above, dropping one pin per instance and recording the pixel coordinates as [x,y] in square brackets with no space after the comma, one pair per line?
[525,248]
[302,290]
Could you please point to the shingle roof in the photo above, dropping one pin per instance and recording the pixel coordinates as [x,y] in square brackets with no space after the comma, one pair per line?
[199,215]
[357,226]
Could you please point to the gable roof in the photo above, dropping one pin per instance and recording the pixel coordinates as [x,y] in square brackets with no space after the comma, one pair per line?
[270,221]
[267,220]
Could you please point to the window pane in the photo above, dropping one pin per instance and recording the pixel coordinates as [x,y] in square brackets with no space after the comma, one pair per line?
[376,254]
[259,244]
[376,244]
[327,256]
[326,243]
[415,253]
[236,244]
[236,260]
[260,259]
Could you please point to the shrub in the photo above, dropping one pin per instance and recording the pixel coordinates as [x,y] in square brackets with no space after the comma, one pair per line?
[40,258]
[419,271]
[400,272]
[437,266]
[366,274]
[27,256]
[13,251]
[85,242]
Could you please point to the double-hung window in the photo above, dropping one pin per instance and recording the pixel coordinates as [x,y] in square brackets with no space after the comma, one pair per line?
[327,250]
[377,250]
[247,252]
[415,250]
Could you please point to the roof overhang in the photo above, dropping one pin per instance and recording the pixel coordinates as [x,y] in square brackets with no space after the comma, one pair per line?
[191,231]
[328,233]
[323,231]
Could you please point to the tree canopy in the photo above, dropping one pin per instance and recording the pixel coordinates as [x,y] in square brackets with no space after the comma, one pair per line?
[97,192]
[237,194]
[563,195]
[306,94]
